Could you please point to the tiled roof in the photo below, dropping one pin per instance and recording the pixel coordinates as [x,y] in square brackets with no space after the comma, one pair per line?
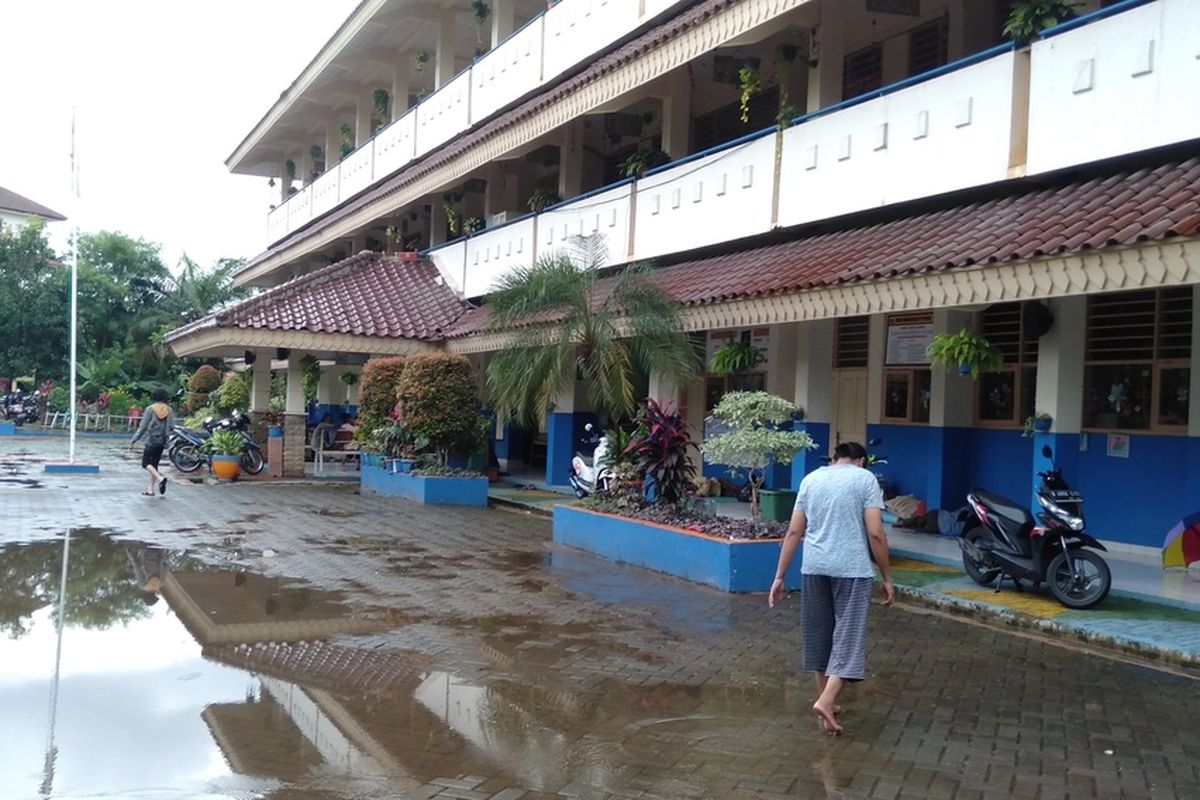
[369,294]
[594,70]
[11,201]
[1121,208]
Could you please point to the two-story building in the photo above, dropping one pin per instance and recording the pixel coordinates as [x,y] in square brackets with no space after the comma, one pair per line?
[833,181]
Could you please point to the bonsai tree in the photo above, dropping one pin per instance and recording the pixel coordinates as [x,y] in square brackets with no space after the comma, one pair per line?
[753,439]
[203,382]
[569,325]
[735,356]
[969,353]
[439,402]
[659,450]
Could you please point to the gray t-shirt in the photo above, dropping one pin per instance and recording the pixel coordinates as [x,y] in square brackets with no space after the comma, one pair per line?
[833,499]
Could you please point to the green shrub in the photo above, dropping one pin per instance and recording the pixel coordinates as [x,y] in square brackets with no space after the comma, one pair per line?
[59,399]
[119,402]
[195,419]
[440,402]
[205,379]
[377,391]
[234,393]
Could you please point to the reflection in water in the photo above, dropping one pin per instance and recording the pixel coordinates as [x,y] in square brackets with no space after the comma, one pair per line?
[51,751]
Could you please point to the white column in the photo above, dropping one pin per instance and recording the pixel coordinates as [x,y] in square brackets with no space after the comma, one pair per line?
[502,20]
[781,360]
[570,160]
[284,182]
[295,387]
[443,57]
[362,116]
[333,142]
[260,381]
[401,77]
[328,388]
[814,370]
[662,389]
[829,49]
[895,59]
[1060,365]
[676,111]
[304,168]
[951,394]
[876,355]
[495,195]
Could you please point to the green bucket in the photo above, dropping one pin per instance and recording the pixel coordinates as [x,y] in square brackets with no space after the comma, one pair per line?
[776,504]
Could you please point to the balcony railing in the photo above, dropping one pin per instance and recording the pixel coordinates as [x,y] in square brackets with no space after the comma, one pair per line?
[956,127]
[541,50]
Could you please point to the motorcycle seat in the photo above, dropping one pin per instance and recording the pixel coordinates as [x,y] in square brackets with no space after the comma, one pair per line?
[1004,507]
[586,459]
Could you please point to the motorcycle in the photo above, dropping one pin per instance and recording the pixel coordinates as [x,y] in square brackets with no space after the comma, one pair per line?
[594,474]
[1000,540]
[21,407]
[186,445]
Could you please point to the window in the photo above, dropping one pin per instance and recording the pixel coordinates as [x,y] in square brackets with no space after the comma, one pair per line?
[862,71]
[1137,361]
[928,46]
[725,123]
[906,395]
[1006,398]
[751,380]
[906,376]
[852,337]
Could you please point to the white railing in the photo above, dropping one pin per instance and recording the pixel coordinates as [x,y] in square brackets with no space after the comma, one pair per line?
[494,252]
[947,133]
[1116,85]
[325,192]
[715,198]
[606,213]
[578,29]
[446,113]
[356,171]
[396,145]
[513,69]
[451,262]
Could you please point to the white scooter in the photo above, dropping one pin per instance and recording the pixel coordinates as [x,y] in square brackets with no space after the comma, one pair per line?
[590,475]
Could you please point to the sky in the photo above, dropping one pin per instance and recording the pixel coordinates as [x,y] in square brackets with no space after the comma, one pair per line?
[163,92]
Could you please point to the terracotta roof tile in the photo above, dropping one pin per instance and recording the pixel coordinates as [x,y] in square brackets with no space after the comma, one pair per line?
[369,294]
[1120,209]
[11,201]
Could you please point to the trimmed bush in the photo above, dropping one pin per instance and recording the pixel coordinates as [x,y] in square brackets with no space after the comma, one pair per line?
[59,399]
[439,400]
[377,390]
[119,402]
[203,382]
[234,393]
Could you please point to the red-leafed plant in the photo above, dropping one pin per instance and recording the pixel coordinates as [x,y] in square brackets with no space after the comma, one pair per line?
[377,393]
[660,451]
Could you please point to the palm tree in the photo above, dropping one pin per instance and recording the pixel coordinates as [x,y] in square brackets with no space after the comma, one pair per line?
[569,323]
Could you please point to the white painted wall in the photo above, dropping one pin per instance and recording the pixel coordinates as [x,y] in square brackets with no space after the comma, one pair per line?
[577,29]
[1118,85]
[444,114]
[605,213]
[494,252]
[325,192]
[396,144]
[357,171]
[451,261]
[947,133]
[508,72]
[723,196]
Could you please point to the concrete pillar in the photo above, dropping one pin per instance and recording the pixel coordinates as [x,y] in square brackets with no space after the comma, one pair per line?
[895,59]
[828,49]
[333,142]
[494,196]
[875,357]
[328,389]
[260,382]
[362,116]
[284,182]
[304,169]
[401,79]
[564,429]
[1060,389]
[956,33]
[294,420]
[437,222]
[813,391]
[950,415]
[676,114]
[443,57]
[570,160]
[502,20]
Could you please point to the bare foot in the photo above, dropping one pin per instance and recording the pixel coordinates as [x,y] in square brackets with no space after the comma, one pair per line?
[826,716]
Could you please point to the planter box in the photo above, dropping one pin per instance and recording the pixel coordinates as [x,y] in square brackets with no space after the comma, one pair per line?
[732,566]
[8,429]
[430,491]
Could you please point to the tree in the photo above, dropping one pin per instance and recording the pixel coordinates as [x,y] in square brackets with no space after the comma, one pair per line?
[753,438]
[377,393]
[33,303]
[567,323]
[439,402]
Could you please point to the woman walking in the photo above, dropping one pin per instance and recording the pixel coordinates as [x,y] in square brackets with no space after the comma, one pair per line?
[157,424]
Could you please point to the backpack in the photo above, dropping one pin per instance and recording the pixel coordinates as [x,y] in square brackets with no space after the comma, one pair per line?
[157,430]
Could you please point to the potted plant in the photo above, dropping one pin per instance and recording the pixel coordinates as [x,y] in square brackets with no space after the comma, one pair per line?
[273,419]
[735,356]
[1028,19]
[224,449]
[967,352]
[753,439]
[642,159]
[480,11]
[749,84]
[1038,423]
[541,199]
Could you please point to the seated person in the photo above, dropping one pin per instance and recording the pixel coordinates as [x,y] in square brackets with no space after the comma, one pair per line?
[349,424]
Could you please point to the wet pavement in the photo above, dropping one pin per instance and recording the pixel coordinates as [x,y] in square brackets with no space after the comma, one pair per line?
[301,641]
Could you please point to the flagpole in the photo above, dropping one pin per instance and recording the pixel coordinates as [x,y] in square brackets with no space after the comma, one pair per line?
[74,285]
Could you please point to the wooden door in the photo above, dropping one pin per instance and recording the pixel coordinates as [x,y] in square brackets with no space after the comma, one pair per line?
[850,407]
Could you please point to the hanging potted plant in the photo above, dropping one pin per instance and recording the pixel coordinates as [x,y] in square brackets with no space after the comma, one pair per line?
[422,58]
[541,199]
[1038,423]
[348,378]
[966,352]
[224,449]
[749,82]
[735,356]
[480,11]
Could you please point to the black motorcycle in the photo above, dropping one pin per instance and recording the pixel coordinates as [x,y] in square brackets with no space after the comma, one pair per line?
[186,445]
[20,407]
[1000,540]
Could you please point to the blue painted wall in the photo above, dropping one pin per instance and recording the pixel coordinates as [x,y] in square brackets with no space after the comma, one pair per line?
[995,462]
[564,437]
[337,412]
[783,476]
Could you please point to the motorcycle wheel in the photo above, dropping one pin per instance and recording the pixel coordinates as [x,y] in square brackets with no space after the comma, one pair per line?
[186,458]
[976,570]
[1081,582]
[252,461]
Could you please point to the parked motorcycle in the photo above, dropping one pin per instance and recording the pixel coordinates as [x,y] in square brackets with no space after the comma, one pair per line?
[591,474]
[186,445]
[20,407]
[1000,539]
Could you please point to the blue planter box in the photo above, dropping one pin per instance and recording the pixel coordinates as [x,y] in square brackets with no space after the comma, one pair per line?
[732,566]
[8,429]
[430,491]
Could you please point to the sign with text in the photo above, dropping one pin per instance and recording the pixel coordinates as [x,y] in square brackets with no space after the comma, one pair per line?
[908,338]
